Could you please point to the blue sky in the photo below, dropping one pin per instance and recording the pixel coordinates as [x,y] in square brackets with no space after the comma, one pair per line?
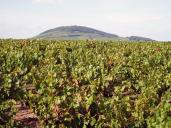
[27,18]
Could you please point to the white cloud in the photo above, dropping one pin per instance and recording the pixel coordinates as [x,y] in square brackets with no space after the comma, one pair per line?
[133,17]
[46,1]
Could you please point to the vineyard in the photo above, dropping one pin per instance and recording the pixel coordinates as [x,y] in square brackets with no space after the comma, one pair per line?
[85,84]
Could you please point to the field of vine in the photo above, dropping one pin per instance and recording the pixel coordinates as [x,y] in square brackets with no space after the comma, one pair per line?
[85,84]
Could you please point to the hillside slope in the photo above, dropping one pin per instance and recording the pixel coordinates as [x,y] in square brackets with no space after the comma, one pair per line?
[83,33]
[77,32]
[138,38]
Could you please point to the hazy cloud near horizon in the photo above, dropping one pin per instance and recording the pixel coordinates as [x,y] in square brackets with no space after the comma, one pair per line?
[47,1]
[27,18]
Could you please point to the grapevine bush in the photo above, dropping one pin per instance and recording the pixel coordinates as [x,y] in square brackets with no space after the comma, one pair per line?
[86,84]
